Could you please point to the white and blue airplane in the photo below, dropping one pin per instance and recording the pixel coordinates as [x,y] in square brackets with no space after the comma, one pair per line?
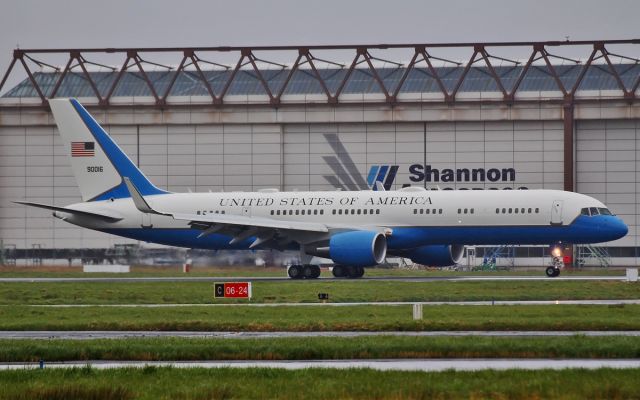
[355,229]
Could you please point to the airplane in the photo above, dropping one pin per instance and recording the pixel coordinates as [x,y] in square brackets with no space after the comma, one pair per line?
[355,229]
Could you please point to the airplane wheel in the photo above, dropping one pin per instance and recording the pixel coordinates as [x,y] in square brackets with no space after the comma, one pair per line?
[557,273]
[355,272]
[295,272]
[552,272]
[310,271]
[339,271]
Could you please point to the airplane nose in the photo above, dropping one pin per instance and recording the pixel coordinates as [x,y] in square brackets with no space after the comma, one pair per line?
[623,229]
[616,228]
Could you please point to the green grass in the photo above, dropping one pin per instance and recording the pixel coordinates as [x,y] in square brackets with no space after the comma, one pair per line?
[254,383]
[319,318]
[317,348]
[20,293]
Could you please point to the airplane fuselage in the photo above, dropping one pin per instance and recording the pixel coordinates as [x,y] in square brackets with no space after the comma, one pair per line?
[410,218]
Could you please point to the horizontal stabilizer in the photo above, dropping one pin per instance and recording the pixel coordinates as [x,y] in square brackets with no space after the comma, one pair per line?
[110,217]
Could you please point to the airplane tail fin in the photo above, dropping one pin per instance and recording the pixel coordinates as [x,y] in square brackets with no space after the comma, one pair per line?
[98,164]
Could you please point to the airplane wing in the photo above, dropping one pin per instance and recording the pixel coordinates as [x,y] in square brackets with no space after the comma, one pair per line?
[105,216]
[240,227]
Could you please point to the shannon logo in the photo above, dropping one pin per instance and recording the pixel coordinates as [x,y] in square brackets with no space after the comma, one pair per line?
[347,176]
[384,174]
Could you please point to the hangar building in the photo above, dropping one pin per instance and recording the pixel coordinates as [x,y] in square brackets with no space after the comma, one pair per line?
[535,119]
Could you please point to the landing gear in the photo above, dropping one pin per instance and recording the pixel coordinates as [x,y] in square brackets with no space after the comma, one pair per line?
[347,271]
[306,271]
[552,271]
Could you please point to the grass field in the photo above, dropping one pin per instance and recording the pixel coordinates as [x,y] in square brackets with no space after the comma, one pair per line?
[170,383]
[20,293]
[317,348]
[319,318]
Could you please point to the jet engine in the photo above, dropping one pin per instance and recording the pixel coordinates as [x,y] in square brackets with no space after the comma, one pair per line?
[358,248]
[355,248]
[436,255]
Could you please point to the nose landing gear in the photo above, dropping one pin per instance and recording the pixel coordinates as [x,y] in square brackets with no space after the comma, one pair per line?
[552,271]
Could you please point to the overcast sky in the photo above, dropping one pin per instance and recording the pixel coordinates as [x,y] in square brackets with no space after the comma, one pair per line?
[129,23]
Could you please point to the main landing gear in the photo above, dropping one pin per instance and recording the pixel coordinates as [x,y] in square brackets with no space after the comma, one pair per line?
[347,271]
[306,271]
[310,271]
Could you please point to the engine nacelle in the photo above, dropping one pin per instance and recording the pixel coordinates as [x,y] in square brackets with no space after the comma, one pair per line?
[358,248]
[436,255]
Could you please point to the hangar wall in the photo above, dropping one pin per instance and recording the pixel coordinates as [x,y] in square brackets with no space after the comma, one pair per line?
[312,156]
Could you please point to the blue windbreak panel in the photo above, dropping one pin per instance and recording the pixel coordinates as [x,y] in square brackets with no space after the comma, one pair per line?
[120,161]
[185,238]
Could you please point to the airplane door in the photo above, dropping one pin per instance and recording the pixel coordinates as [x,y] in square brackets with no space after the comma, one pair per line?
[146,221]
[556,212]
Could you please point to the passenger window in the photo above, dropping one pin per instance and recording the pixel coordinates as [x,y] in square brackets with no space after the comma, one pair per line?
[537,210]
[516,210]
[465,210]
[359,211]
[471,211]
[510,210]
[522,210]
[439,211]
[290,212]
[315,212]
[297,212]
[529,211]
[353,211]
[415,210]
[339,212]
[365,211]
[378,211]
[371,211]
[302,212]
[321,212]
[497,211]
[271,212]
[427,211]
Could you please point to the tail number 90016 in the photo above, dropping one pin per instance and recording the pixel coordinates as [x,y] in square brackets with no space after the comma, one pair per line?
[94,169]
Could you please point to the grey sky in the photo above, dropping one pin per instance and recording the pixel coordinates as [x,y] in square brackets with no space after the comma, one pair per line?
[126,23]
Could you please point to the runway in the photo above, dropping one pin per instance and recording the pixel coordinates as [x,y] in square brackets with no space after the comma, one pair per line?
[90,335]
[602,302]
[540,277]
[431,365]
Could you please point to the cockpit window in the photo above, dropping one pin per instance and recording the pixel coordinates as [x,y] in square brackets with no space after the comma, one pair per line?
[595,211]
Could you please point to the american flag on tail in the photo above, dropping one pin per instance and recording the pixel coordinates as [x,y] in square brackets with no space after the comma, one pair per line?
[83,149]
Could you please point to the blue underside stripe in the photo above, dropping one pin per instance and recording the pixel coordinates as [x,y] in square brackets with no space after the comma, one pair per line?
[118,158]
[582,230]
